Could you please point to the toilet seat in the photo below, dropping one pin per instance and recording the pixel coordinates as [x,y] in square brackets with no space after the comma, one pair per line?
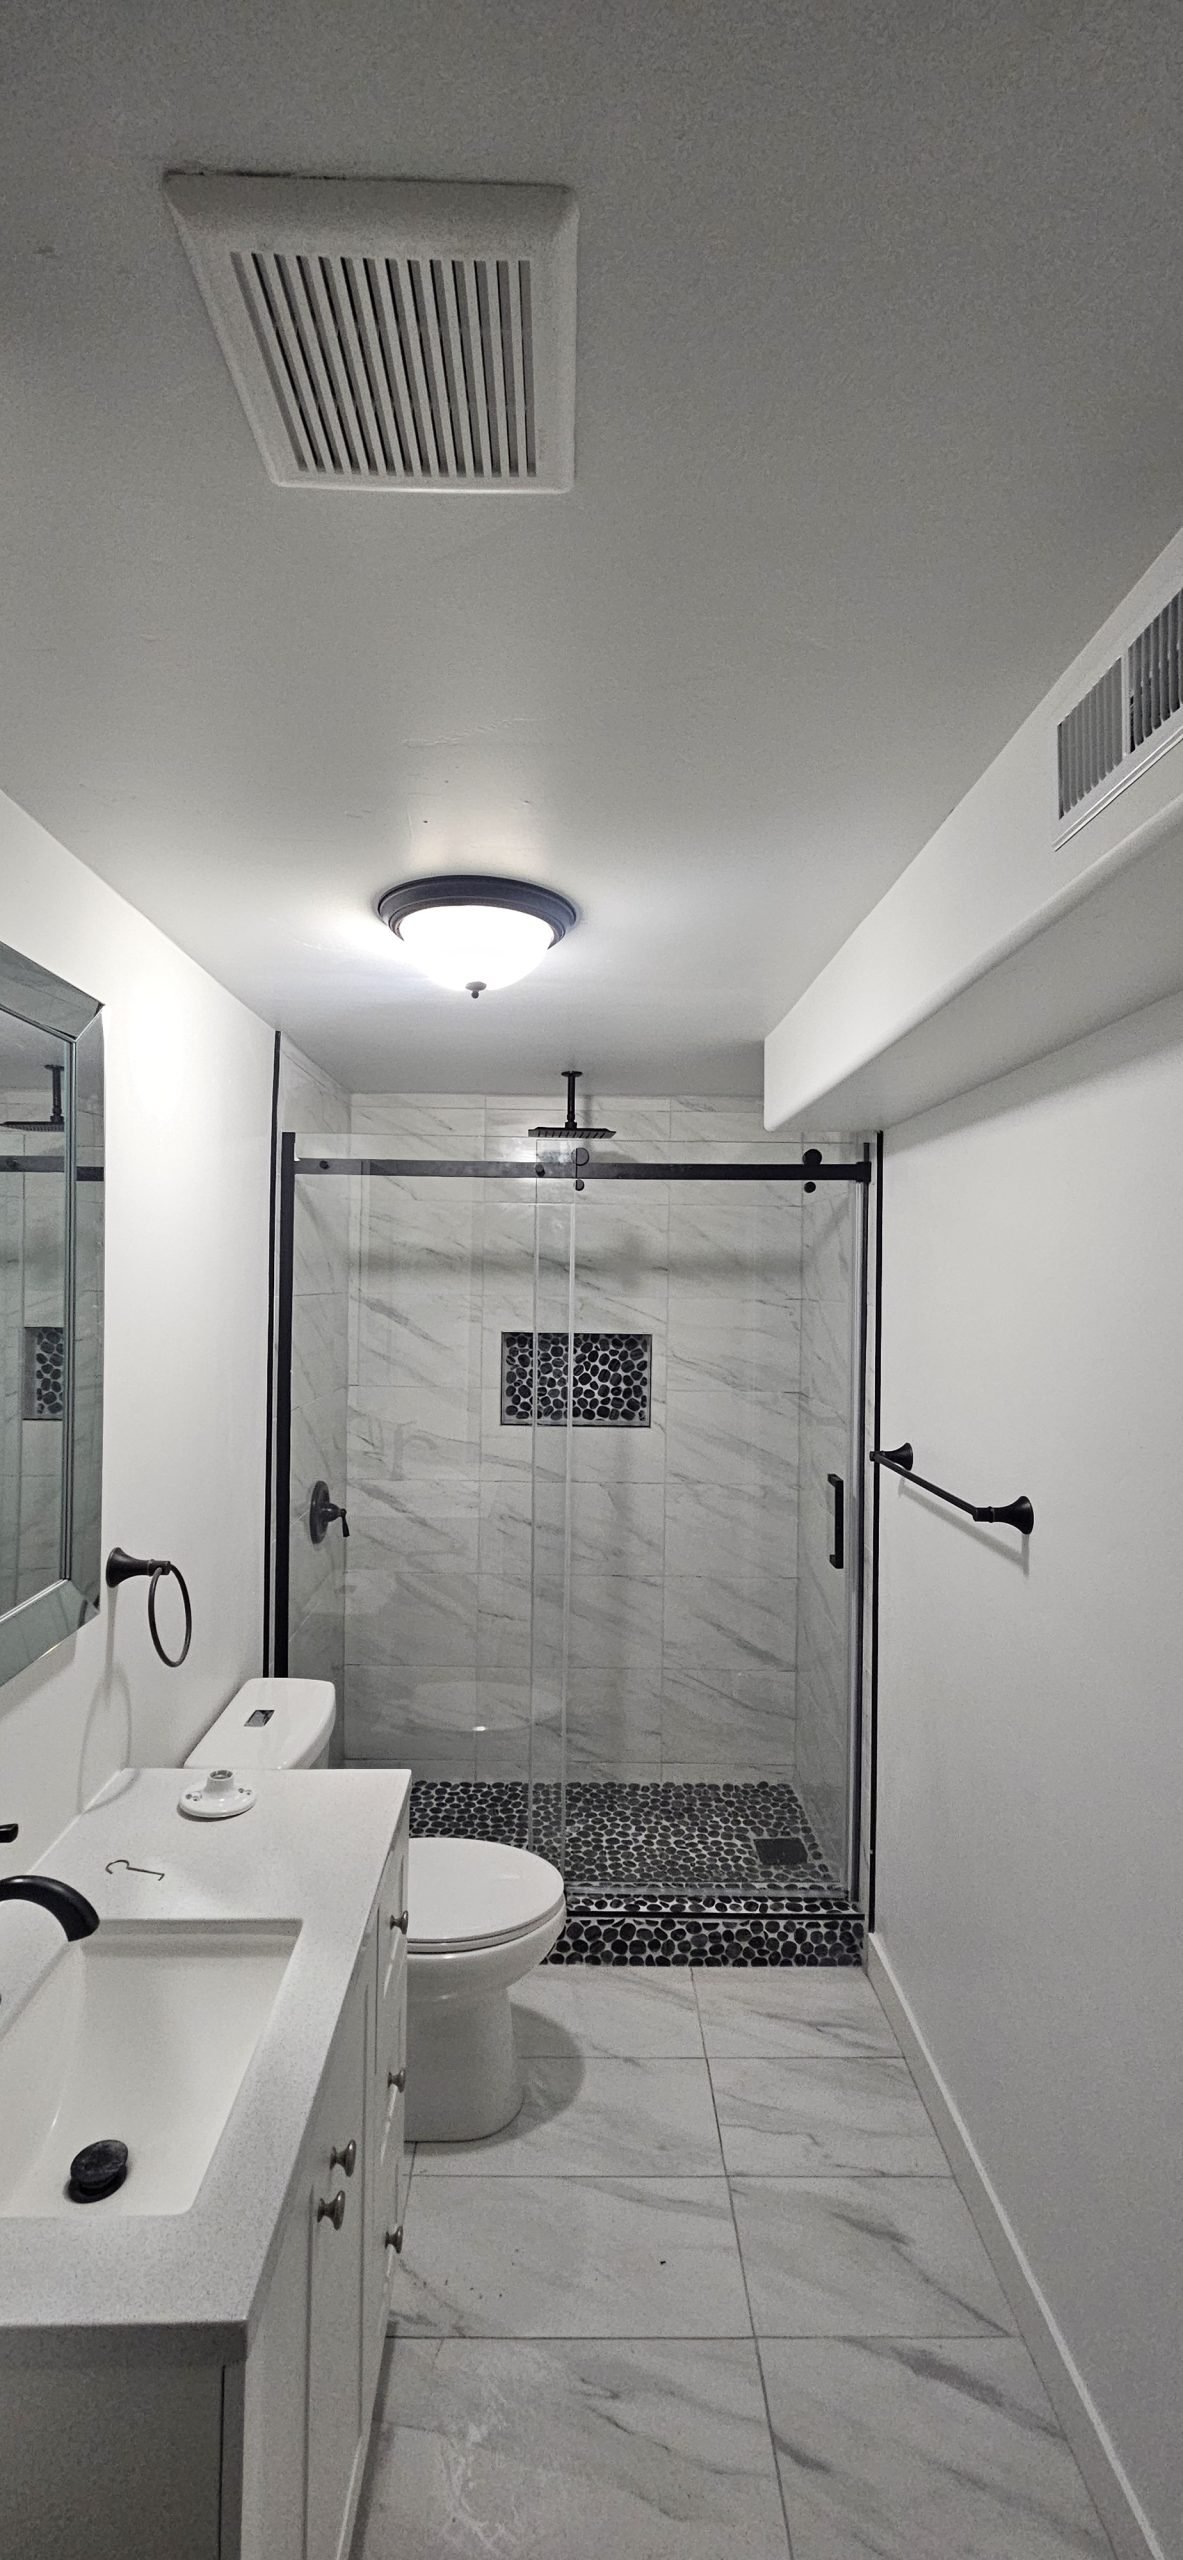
[464,1895]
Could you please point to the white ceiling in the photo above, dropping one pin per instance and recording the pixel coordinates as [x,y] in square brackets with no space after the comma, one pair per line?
[880,408]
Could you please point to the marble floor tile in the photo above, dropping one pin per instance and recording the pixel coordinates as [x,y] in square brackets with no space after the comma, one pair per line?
[802,2119]
[609,2010]
[778,2013]
[626,2451]
[596,2120]
[920,2451]
[565,2258]
[859,2258]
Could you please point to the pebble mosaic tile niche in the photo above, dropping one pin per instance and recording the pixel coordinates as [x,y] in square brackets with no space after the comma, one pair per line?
[44,1382]
[610,1388]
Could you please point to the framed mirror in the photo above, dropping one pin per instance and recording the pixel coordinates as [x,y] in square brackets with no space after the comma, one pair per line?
[51,1309]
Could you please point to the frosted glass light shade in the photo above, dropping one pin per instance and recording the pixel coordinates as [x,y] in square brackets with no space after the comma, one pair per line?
[475,946]
[469,931]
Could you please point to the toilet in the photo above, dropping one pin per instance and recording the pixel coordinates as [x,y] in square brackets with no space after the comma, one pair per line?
[271,1724]
[482,1917]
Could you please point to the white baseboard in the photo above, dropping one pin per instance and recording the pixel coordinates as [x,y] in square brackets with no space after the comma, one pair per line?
[1127,2525]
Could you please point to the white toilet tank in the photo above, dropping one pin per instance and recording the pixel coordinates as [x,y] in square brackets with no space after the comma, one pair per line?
[271,1724]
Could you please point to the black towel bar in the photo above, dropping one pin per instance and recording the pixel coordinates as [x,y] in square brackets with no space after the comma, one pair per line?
[1012,1515]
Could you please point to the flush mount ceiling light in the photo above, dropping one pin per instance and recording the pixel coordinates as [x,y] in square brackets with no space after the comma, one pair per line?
[467,930]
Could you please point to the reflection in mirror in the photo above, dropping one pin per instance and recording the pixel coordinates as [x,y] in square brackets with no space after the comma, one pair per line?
[51,1231]
[33,1225]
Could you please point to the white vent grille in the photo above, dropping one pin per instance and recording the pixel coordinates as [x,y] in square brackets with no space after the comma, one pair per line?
[1089,739]
[1154,672]
[385,334]
[1116,727]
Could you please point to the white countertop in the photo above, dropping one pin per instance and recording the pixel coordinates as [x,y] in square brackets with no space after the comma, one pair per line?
[188,2285]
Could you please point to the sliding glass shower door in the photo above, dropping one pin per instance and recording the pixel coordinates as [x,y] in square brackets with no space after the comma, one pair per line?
[595,1423]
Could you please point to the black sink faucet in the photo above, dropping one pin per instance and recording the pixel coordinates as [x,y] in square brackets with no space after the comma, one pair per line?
[78,1917]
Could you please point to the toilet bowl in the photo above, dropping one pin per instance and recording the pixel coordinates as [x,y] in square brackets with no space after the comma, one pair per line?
[270,1724]
[481,1917]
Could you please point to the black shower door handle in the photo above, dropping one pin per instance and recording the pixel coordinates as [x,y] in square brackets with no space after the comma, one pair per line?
[838,1550]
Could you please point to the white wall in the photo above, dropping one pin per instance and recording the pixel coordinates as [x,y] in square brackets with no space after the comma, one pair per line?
[933,990]
[1031,1733]
[188,1130]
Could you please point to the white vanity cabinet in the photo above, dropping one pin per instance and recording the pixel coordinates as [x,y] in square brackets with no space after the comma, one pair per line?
[309,2384]
[117,2449]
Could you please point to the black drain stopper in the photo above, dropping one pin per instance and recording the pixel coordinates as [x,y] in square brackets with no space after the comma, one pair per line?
[97,2171]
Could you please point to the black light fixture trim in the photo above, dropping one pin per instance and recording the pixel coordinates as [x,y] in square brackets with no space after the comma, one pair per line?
[478,889]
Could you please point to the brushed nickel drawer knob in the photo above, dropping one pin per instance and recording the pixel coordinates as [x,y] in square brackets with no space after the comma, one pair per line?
[394,2240]
[397,2079]
[346,2159]
[400,1920]
[332,2209]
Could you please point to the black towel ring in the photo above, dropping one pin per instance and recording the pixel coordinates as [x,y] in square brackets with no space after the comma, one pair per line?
[122,1568]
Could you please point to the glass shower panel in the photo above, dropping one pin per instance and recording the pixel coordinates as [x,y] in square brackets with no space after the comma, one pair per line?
[829,1527]
[311,1613]
[551,1358]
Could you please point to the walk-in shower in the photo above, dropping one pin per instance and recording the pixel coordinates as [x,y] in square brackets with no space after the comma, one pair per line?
[592,1409]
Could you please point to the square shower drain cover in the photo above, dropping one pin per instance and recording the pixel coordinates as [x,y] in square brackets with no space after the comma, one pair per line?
[778,1852]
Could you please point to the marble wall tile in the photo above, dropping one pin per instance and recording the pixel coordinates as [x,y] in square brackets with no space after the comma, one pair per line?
[647,2450]
[746,1339]
[436,1124]
[614,1722]
[734,1721]
[722,1438]
[744,1532]
[409,1613]
[320,1235]
[923,2451]
[615,1528]
[614,1622]
[708,1620]
[422,1520]
[415,1333]
[738,1117]
[415,1431]
[436,1721]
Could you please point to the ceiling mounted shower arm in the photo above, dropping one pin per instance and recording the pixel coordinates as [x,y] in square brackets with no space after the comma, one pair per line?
[571,1127]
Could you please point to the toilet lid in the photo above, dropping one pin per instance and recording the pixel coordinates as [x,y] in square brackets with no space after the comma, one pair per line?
[471,1893]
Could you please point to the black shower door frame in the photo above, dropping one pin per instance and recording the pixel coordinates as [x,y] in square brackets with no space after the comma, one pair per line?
[578,1168]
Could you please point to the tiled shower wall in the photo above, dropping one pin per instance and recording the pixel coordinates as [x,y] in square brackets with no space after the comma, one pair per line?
[683,1626]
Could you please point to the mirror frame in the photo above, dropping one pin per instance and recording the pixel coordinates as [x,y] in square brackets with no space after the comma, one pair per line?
[30,1629]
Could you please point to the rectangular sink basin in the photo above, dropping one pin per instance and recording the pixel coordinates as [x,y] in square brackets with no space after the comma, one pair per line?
[140,2034]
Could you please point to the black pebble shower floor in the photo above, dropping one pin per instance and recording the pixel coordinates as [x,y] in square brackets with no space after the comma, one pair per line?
[668,1875]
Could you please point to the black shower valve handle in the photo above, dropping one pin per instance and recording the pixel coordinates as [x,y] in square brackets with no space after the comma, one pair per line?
[322,1511]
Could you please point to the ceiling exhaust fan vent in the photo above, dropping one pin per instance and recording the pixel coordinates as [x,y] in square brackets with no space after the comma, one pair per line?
[393,334]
